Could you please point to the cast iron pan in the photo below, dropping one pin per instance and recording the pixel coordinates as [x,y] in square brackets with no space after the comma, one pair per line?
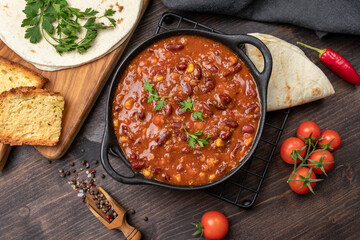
[235,43]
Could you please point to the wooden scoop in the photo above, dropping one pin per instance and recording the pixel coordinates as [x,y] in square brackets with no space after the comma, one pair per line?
[4,153]
[119,222]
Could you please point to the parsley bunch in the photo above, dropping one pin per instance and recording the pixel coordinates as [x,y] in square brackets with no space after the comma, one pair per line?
[42,14]
[189,105]
[160,101]
[193,138]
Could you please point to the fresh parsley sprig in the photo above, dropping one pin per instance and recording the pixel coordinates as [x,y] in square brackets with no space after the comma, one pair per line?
[193,138]
[189,105]
[42,14]
[160,101]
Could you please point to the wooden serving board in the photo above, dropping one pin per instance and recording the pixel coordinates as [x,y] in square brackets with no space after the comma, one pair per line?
[80,86]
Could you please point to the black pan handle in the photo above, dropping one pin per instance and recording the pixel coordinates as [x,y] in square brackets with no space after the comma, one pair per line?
[105,147]
[264,76]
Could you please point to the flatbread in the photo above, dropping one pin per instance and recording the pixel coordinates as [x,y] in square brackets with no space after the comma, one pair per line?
[43,55]
[294,80]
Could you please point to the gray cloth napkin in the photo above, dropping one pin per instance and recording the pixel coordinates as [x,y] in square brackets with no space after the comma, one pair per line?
[324,16]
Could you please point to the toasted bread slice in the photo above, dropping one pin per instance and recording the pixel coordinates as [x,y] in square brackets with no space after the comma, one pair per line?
[13,75]
[30,116]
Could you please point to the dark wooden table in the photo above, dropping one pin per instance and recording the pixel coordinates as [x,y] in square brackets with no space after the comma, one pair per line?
[36,203]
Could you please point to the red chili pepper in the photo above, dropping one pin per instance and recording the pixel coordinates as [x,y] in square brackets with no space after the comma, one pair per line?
[337,63]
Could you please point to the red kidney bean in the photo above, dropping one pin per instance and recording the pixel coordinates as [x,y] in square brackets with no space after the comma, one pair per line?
[205,109]
[138,164]
[181,66]
[179,112]
[197,71]
[232,124]
[187,88]
[174,47]
[237,146]
[237,67]
[176,124]
[214,69]
[177,99]
[210,85]
[141,115]
[247,129]
[166,176]
[133,156]
[250,91]
[225,98]
[163,137]
[206,73]
[156,170]
[217,104]
[181,135]
[179,168]
[225,135]
[168,110]
[251,107]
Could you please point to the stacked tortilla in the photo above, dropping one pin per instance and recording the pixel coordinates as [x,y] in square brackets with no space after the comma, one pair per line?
[44,56]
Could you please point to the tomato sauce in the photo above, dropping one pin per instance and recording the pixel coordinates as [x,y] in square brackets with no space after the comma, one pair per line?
[186,111]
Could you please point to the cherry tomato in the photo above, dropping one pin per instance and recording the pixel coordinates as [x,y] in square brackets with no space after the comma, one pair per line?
[328,158]
[288,146]
[306,128]
[215,225]
[296,186]
[329,135]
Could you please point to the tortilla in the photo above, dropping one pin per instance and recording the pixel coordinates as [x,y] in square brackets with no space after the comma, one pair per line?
[294,80]
[44,56]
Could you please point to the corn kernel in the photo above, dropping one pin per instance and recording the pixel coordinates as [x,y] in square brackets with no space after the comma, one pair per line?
[201,174]
[129,103]
[219,142]
[116,123]
[248,141]
[190,68]
[154,60]
[123,139]
[146,173]
[177,177]
[159,78]
[212,177]
[202,159]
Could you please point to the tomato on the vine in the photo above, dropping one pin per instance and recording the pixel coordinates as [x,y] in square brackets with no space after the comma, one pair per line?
[306,128]
[301,184]
[288,146]
[330,136]
[319,159]
[214,225]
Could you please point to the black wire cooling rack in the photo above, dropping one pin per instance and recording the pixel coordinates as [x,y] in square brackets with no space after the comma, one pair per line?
[243,188]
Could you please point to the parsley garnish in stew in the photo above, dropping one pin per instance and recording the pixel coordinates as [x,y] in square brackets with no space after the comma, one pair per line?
[42,14]
[160,101]
[189,105]
[193,138]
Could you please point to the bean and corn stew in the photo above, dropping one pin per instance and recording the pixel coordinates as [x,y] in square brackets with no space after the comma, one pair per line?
[186,111]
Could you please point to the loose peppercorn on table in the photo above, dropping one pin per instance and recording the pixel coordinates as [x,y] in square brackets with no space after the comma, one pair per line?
[36,203]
